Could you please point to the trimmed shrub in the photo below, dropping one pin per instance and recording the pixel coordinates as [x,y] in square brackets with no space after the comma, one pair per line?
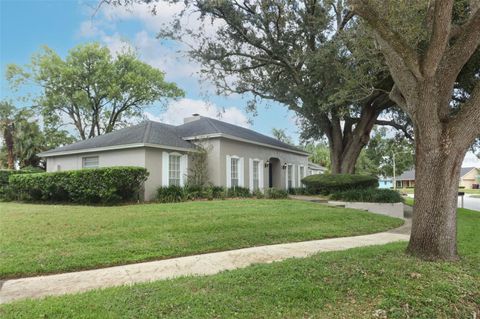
[238,191]
[326,184]
[298,191]
[370,195]
[89,186]
[171,194]
[258,194]
[218,192]
[275,193]
[5,191]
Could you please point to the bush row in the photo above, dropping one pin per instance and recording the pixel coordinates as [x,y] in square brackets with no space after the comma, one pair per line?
[5,174]
[370,195]
[174,194]
[326,184]
[99,185]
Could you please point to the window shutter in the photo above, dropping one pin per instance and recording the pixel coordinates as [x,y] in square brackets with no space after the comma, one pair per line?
[241,173]
[286,177]
[250,173]
[261,172]
[228,164]
[293,176]
[165,166]
[299,178]
[183,169]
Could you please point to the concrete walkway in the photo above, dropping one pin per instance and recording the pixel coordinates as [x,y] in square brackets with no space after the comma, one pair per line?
[206,264]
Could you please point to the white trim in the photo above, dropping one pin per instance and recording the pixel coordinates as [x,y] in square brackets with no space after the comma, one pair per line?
[241,173]
[294,176]
[165,166]
[261,172]
[116,147]
[228,164]
[183,168]
[200,137]
[250,173]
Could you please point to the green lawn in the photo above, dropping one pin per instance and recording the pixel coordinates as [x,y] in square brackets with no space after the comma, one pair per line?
[370,282]
[39,239]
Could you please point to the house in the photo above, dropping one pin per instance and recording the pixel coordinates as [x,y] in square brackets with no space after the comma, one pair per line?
[468,178]
[385,182]
[236,156]
[315,169]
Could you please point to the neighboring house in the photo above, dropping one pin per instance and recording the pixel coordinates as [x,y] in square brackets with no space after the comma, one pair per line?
[468,176]
[385,182]
[315,169]
[236,156]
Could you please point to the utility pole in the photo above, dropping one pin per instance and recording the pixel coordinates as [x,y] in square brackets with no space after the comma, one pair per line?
[394,175]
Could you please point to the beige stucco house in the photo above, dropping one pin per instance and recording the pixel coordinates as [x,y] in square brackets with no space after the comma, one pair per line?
[236,156]
[468,177]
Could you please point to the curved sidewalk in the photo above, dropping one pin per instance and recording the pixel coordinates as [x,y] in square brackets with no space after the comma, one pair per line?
[206,264]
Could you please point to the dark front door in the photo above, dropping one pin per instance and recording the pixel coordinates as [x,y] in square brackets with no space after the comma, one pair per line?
[270,175]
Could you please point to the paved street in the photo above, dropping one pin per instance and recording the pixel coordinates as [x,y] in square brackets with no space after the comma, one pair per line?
[468,202]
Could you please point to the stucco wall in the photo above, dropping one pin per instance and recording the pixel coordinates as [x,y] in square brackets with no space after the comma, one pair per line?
[224,147]
[126,157]
[470,178]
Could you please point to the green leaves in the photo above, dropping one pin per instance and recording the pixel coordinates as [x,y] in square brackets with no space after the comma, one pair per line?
[93,89]
[90,186]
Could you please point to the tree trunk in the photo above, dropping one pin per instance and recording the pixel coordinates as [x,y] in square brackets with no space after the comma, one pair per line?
[438,158]
[8,138]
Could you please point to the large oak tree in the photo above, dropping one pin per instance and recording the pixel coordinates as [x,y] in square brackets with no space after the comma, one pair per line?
[426,66]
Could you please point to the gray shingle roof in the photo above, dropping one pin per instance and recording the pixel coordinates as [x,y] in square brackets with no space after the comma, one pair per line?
[147,132]
[410,175]
[206,125]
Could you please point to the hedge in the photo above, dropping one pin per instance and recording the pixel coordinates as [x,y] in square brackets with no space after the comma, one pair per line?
[175,194]
[326,184]
[5,193]
[370,195]
[90,186]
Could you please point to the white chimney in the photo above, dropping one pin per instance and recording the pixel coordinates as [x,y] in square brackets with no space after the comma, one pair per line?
[192,118]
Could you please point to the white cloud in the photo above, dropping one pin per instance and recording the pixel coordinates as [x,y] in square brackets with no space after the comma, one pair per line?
[178,110]
[471,160]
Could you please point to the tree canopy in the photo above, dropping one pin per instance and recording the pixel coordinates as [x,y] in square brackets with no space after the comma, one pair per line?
[92,89]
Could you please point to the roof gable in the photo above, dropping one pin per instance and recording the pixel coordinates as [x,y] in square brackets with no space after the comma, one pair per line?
[207,126]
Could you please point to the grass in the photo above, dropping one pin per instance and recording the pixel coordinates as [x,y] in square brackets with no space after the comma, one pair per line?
[370,282]
[40,239]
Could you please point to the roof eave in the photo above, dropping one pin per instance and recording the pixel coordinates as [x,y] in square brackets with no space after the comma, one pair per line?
[113,148]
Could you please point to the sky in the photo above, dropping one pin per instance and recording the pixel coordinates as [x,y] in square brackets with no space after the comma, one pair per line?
[27,25]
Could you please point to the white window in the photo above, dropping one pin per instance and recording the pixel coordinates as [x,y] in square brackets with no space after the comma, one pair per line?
[90,162]
[174,170]
[290,175]
[256,179]
[234,172]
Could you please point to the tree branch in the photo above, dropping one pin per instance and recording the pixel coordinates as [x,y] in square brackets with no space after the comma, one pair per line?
[468,40]
[397,126]
[442,18]
[393,39]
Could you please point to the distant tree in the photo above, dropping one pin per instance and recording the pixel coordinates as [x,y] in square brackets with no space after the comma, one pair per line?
[7,128]
[92,89]
[282,136]
[23,137]
[319,154]
[381,149]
